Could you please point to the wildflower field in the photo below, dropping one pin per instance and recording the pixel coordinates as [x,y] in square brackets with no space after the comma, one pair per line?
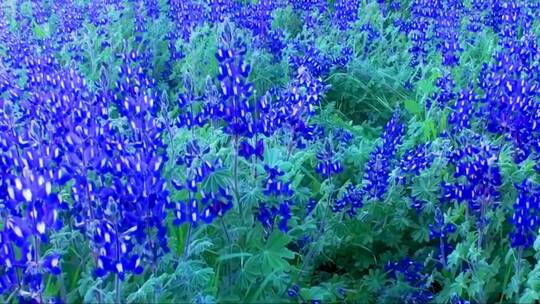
[269,151]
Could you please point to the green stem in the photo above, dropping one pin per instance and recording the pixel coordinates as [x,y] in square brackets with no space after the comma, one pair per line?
[117,281]
[12,295]
[518,269]
[235,177]
[62,287]
[117,289]
[505,283]
[187,242]
[229,244]
[320,233]
[36,257]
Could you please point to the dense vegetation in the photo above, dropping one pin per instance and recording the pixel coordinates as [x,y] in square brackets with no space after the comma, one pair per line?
[270,151]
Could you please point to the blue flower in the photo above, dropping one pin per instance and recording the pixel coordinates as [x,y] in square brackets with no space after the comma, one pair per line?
[346,12]
[51,263]
[274,186]
[267,216]
[247,151]
[414,161]
[216,205]
[293,291]
[463,111]
[351,199]
[525,218]
[412,273]
[309,5]
[446,86]
[328,165]
[417,204]
[439,230]
[234,108]
[186,15]
[477,179]
[310,206]
[509,88]
[211,204]
[379,166]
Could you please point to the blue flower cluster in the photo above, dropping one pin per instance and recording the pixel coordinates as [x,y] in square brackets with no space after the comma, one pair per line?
[268,215]
[234,107]
[462,111]
[525,218]
[275,187]
[309,5]
[477,179]
[414,161]
[412,273]
[376,177]
[186,15]
[278,194]
[33,158]
[433,24]
[92,150]
[439,230]
[197,165]
[327,164]
[372,35]
[445,85]
[130,218]
[346,12]
[510,87]
[352,198]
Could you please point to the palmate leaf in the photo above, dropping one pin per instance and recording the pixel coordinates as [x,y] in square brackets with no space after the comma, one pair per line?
[421,235]
[189,279]
[273,255]
[216,179]
[87,289]
[252,197]
[532,284]
[316,293]
[457,255]
[147,292]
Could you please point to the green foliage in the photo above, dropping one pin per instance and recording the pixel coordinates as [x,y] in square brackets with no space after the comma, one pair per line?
[333,257]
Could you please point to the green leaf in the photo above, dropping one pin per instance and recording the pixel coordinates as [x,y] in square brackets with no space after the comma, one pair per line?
[273,255]
[421,235]
[430,130]
[277,245]
[425,87]
[536,245]
[412,106]
[529,296]
[234,256]
[316,293]
[40,31]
